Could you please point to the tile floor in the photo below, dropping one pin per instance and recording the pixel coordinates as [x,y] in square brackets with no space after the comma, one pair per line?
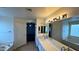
[30,46]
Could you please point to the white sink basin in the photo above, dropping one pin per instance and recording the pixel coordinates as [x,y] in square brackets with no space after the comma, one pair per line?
[4,47]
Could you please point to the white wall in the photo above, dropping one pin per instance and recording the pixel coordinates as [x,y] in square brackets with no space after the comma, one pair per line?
[6,30]
[20,31]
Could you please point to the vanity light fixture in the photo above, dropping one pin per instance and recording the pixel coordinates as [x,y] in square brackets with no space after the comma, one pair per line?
[64,16]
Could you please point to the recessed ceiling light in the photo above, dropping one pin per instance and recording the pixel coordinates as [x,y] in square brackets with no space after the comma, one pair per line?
[29,9]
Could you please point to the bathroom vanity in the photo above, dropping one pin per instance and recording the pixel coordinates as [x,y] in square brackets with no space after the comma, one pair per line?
[48,44]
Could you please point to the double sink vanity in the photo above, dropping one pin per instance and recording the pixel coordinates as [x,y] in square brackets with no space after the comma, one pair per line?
[62,35]
[44,43]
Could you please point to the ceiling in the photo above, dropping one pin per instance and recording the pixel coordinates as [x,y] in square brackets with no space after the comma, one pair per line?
[23,12]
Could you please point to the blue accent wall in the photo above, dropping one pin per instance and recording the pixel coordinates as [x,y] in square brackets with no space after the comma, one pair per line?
[6,30]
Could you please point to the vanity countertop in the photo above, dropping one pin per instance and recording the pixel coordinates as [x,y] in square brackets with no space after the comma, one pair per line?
[47,45]
[51,44]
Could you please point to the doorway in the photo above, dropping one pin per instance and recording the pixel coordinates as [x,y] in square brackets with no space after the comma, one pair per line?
[30,32]
[50,29]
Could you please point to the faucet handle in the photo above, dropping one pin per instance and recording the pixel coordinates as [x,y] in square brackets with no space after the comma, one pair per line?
[63,48]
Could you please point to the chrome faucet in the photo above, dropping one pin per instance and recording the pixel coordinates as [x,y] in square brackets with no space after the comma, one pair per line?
[63,48]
